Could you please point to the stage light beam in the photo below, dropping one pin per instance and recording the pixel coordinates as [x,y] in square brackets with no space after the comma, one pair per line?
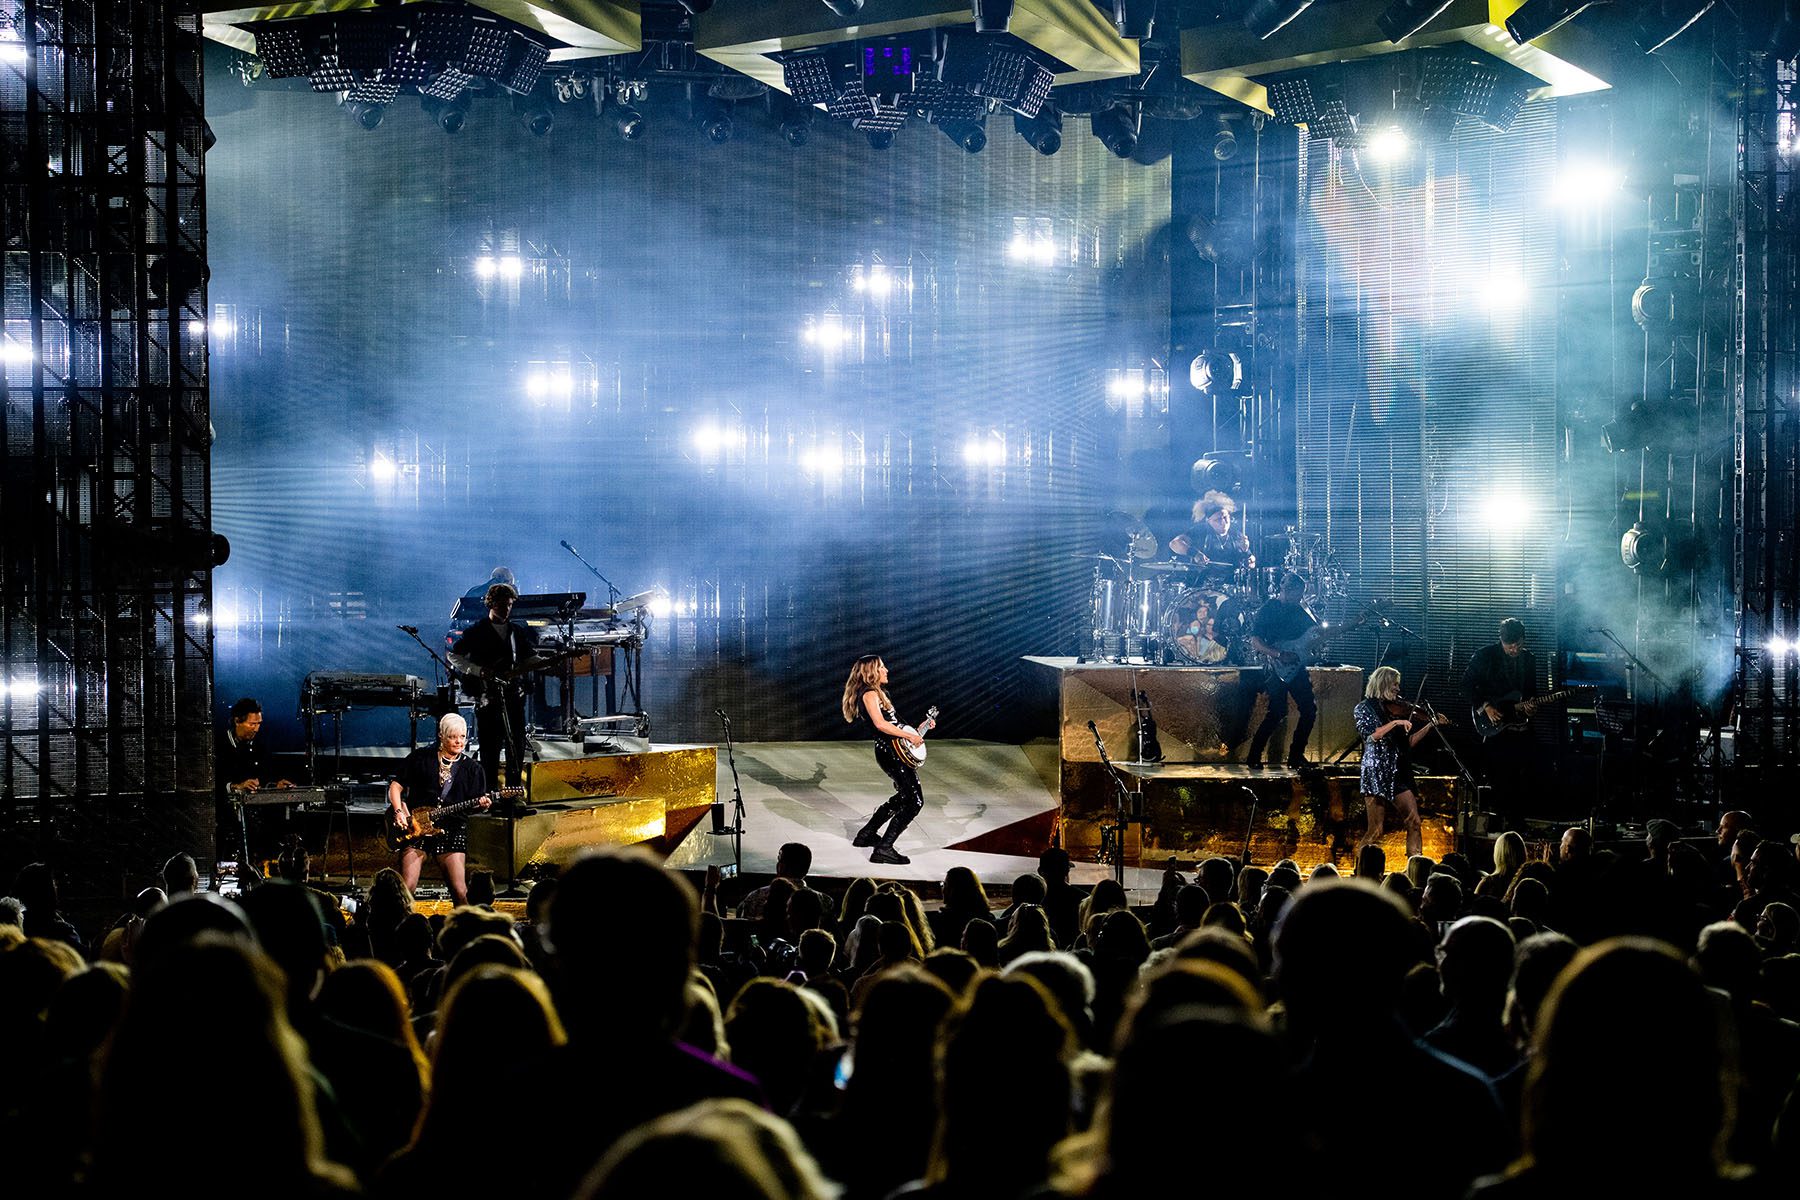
[1586,185]
[383,469]
[1389,144]
[1505,513]
[1505,291]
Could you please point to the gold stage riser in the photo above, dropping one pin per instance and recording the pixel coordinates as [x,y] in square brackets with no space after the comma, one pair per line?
[1311,821]
[1195,713]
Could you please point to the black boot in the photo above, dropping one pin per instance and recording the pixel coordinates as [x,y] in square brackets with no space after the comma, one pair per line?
[870,834]
[884,849]
[885,853]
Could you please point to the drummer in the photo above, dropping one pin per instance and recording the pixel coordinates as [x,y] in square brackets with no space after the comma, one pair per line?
[1213,541]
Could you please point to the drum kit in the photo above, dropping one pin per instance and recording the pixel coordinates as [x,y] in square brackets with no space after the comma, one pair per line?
[1144,609]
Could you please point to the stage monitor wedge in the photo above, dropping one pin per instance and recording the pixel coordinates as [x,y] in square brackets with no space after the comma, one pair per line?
[580,28]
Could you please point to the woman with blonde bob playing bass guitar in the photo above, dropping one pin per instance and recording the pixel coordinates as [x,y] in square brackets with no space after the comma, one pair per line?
[866,702]
[434,777]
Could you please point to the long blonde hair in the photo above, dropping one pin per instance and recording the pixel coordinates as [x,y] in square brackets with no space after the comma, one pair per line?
[865,676]
[1378,681]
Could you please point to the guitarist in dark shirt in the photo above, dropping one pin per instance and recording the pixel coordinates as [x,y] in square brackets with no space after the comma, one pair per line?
[1282,619]
[430,777]
[1503,680]
[492,655]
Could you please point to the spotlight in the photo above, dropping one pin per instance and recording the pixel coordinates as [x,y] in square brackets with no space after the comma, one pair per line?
[450,115]
[382,469]
[662,607]
[992,16]
[201,618]
[534,114]
[1389,144]
[1134,19]
[1633,551]
[970,135]
[1505,512]
[1534,18]
[1586,185]
[1117,128]
[844,8]
[15,354]
[1224,139]
[1778,648]
[629,122]
[1220,472]
[1403,18]
[486,266]
[19,689]
[1266,17]
[12,49]
[1662,21]
[713,116]
[822,460]
[1043,132]
[367,115]
[1505,291]
[880,139]
[511,266]
[796,124]
[984,452]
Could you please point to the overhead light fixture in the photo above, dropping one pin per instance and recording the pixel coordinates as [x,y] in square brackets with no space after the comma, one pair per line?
[1535,18]
[1117,128]
[1224,139]
[992,16]
[365,113]
[713,116]
[1403,18]
[971,135]
[1043,132]
[796,121]
[629,122]
[534,114]
[1265,18]
[880,139]
[1134,19]
[450,115]
[1662,21]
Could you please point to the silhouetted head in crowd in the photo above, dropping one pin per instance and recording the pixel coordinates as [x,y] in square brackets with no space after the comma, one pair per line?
[817,950]
[1475,962]
[1191,903]
[1226,916]
[963,892]
[389,899]
[496,1025]
[1769,870]
[291,930]
[1138,1128]
[1728,959]
[1179,983]
[207,1004]
[1053,866]
[537,901]
[187,917]
[615,908]
[793,861]
[1217,876]
[180,874]
[1628,1079]
[1371,863]
[1068,981]
[856,901]
[1778,928]
[1536,964]
[367,995]
[1273,903]
[1531,900]
[465,924]
[897,944]
[913,913]
[896,1029]
[1422,1003]
[85,1010]
[1442,900]
[956,968]
[805,910]
[718,1148]
[1010,1029]
[414,942]
[31,972]
[886,906]
[1743,847]
[1457,863]
[775,1036]
[1732,823]
[1659,835]
[1225,949]
[1402,887]
[865,945]
[1250,883]
[1340,955]
[1509,854]
[1030,930]
[1324,873]
[703,1025]
[1577,845]
[488,950]
[1418,870]
[1285,876]
[981,942]
[1028,889]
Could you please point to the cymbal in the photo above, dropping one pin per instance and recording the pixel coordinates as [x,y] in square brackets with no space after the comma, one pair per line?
[1143,542]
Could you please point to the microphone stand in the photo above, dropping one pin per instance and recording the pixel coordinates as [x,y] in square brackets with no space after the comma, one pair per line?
[612,593]
[736,828]
[1112,836]
[1464,775]
[444,672]
[1244,859]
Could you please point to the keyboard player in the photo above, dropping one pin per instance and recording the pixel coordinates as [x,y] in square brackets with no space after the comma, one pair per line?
[241,766]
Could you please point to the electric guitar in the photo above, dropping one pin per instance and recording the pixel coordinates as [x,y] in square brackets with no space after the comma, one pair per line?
[1307,646]
[423,822]
[908,753]
[1511,716]
[510,681]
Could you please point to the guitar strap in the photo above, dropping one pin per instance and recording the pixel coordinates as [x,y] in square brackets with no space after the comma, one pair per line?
[449,781]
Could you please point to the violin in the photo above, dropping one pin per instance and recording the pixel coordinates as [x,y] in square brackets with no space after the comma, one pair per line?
[1418,714]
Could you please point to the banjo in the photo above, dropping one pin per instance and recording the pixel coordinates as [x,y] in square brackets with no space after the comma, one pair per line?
[907,752]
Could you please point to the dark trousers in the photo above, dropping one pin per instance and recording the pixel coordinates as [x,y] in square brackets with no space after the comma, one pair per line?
[491,723]
[903,805]
[1509,763]
[1301,689]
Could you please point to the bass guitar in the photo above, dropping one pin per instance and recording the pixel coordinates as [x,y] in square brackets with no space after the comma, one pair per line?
[509,682]
[423,822]
[1516,714]
[907,752]
[1307,646]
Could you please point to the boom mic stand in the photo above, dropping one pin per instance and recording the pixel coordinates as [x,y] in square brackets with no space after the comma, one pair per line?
[736,828]
[1464,775]
[612,593]
[1112,836]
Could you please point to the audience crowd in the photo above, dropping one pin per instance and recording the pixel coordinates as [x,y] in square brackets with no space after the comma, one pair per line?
[1548,1027]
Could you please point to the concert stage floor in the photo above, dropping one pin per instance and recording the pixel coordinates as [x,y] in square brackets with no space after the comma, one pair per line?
[988,806]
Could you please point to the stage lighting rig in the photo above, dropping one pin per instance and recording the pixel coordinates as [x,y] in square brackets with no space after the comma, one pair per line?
[365,113]
[534,114]
[992,16]
[1117,128]
[629,122]
[1662,21]
[713,116]
[1535,18]
[1043,132]
[450,115]
[970,134]
[1135,19]
[794,120]
[1224,145]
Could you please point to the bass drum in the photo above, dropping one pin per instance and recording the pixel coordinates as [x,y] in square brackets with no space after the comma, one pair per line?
[1231,626]
[1179,615]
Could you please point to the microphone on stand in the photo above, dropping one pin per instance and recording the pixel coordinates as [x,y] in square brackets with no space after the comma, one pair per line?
[1093,729]
[412,629]
[565,545]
